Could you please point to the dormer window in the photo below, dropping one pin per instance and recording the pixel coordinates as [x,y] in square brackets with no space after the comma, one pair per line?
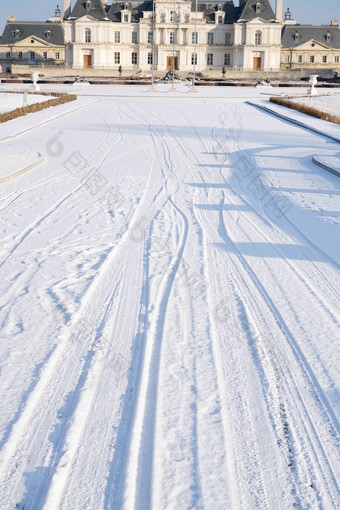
[258,7]
[88,5]
[125,14]
[16,33]
[219,15]
[48,34]
[297,36]
[328,37]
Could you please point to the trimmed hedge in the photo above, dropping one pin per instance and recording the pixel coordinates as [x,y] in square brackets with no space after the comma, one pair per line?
[303,108]
[37,107]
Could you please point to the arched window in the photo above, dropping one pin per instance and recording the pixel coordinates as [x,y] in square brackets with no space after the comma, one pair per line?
[258,37]
[87,35]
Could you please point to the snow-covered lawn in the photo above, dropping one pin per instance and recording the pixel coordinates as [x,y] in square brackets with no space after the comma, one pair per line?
[329,103]
[9,102]
[169,308]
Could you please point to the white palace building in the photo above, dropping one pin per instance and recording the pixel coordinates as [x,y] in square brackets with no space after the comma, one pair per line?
[207,36]
[175,34]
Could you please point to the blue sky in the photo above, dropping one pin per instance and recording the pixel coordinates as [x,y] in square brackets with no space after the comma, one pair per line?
[304,11]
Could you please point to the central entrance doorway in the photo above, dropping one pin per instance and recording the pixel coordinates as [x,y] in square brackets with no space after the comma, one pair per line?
[87,60]
[172,63]
[257,63]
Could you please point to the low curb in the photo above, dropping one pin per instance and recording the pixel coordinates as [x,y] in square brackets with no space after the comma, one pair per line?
[22,171]
[322,163]
[293,121]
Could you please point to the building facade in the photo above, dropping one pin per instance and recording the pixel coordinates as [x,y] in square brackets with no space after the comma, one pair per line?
[309,46]
[176,34]
[28,43]
[186,35]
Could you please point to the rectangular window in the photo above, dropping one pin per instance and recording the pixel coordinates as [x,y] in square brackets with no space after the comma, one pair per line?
[172,38]
[117,37]
[8,54]
[20,55]
[210,59]
[227,39]
[32,55]
[126,18]
[150,58]
[258,38]
[219,19]
[299,59]
[150,37]
[194,37]
[194,59]
[134,60]
[134,38]
[87,36]
[311,59]
[336,59]
[227,59]
[117,57]
[287,59]
[57,56]
[324,59]
[172,16]
[210,38]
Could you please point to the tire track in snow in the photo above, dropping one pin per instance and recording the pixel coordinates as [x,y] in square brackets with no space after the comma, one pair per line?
[261,495]
[150,204]
[24,423]
[55,207]
[326,469]
[315,431]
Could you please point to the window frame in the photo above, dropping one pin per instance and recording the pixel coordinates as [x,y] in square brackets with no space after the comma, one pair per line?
[258,38]
[134,58]
[210,59]
[87,36]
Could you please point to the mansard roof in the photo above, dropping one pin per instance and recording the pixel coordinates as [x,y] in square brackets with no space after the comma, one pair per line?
[18,31]
[209,7]
[249,11]
[96,10]
[309,32]
[136,8]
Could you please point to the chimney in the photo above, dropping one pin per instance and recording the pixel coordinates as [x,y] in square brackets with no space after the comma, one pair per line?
[334,23]
[11,19]
[278,13]
[67,8]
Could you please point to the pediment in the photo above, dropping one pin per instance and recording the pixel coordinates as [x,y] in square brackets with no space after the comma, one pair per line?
[257,21]
[86,19]
[312,44]
[27,42]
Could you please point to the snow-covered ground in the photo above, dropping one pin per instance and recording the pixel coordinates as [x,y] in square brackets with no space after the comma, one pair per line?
[169,308]
[9,102]
[329,103]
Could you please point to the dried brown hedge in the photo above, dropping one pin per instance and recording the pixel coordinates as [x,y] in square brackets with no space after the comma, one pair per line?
[37,107]
[303,108]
